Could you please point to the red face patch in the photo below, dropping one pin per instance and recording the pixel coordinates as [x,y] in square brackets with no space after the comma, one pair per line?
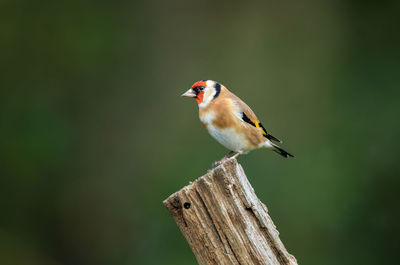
[200,97]
[199,83]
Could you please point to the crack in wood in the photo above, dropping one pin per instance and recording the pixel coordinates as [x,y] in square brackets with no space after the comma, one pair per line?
[230,247]
[269,237]
[209,216]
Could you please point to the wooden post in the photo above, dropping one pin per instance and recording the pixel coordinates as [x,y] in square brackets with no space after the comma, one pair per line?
[224,222]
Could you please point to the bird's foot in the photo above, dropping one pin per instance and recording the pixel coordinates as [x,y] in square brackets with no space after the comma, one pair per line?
[237,154]
[220,162]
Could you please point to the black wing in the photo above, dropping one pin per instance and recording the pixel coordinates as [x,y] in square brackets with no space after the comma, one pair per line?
[257,124]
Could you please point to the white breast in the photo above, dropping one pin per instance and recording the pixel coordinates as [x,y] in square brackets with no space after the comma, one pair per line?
[227,137]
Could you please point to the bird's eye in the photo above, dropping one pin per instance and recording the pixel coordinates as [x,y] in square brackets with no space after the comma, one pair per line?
[198,89]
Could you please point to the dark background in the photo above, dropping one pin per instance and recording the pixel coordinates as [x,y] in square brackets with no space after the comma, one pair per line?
[94,133]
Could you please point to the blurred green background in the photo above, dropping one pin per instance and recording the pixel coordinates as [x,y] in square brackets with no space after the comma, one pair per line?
[94,133]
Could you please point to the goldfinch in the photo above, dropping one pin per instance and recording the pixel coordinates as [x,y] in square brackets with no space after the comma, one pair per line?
[230,121]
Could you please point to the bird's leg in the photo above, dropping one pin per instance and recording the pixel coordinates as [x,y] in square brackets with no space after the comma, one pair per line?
[227,156]
[237,154]
[217,163]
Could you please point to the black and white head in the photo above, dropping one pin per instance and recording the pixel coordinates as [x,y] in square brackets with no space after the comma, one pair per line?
[204,92]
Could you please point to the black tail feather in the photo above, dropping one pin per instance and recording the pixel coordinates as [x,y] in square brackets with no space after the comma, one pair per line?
[281,151]
[269,136]
[272,138]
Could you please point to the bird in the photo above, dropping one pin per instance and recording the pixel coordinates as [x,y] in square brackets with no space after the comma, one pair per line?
[230,121]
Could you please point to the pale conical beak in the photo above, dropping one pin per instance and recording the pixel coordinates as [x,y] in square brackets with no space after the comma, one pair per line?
[190,94]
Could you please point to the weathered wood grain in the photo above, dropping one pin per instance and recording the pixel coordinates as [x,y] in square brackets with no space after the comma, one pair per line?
[224,222]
